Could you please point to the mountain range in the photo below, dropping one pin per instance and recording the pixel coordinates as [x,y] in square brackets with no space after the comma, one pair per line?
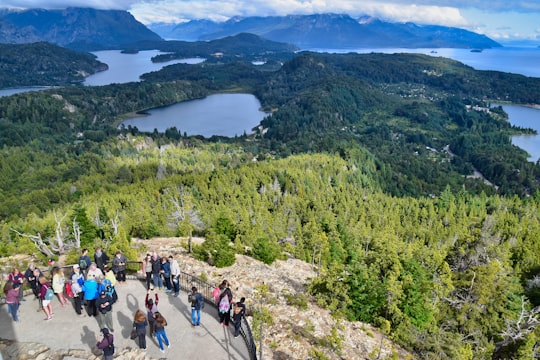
[329,31]
[91,29]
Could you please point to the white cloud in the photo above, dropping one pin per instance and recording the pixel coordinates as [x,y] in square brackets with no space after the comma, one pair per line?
[62,4]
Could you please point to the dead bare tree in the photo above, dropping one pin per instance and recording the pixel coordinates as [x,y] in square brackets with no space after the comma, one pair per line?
[76,233]
[182,210]
[518,329]
[40,244]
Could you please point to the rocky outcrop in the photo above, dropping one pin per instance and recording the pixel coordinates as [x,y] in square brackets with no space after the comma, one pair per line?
[33,351]
[299,330]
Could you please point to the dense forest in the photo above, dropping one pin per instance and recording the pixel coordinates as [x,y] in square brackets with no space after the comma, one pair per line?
[361,170]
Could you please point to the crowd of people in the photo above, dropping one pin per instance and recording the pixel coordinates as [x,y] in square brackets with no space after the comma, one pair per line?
[90,288]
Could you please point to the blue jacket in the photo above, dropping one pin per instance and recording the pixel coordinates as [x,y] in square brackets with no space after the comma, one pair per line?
[90,289]
[166,267]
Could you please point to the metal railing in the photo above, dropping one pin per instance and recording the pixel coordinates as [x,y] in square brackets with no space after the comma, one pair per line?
[187,281]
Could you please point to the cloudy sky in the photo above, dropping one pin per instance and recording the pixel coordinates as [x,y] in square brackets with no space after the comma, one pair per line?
[499,19]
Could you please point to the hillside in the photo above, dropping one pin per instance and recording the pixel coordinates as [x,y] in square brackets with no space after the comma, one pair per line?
[76,28]
[44,64]
[329,31]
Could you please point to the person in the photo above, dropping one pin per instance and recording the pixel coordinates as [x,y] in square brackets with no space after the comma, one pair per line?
[216,293]
[147,270]
[11,293]
[17,278]
[119,266]
[46,294]
[38,274]
[159,330]
[94,272]
[109,275]
[106,344]
[156,270]
[58,282]
[151,308]
[104,305]
[197,303]
[31,279]
[224,304]
[90,289]
[238,313]
[140,323]
[166,273]
[106,285]
[100,258]
[175,275]
[77,282]
[84,260]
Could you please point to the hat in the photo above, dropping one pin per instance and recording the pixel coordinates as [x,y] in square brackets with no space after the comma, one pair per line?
[105,331]
[103,292]
[76,266]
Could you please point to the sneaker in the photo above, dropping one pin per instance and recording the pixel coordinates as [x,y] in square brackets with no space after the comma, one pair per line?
[169,346]
[163,351]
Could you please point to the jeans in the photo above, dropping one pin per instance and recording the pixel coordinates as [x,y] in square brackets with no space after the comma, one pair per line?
[176,285]
[161,334]
[148,280]
[158,282]
[195,316]
[167,278]
[13,308]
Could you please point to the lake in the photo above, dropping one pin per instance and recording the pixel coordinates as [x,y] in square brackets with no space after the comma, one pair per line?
[124,68]
[219,114]
[525,117]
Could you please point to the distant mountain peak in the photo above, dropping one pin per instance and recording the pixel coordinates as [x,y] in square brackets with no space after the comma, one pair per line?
[331,30]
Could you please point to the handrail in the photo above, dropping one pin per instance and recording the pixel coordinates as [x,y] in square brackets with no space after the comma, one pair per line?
[187,281]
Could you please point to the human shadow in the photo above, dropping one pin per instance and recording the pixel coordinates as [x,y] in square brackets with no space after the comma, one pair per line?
[88,337]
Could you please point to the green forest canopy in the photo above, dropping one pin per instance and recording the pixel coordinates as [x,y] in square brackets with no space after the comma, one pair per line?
[343,178]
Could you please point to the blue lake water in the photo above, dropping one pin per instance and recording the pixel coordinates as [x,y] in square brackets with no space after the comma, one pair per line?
[525,117]
[124,68]
[219,114]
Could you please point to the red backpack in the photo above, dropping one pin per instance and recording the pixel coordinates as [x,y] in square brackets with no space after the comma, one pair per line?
[69,291]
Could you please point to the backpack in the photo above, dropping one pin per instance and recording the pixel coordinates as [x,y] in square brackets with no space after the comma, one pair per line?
[69,290]
[191,298]
[237,309]
[82,263]
[224,305]
[49,294]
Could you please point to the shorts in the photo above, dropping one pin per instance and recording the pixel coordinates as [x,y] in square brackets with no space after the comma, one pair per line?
[45,303]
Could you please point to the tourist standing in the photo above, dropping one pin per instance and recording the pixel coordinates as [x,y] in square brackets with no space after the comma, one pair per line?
[100,258]
[46,294]
[90,289]
[140,323]
[94,272]
[166,273]
[104,305]
[159,328]
[84,260]
[224,304]
[156,270]
[106,344]
[197,303]
[32,279]
[12,299]
[238,312]
[17,278]
[77,282]
[58,282]
[175,275]
[119,266]
[147,270]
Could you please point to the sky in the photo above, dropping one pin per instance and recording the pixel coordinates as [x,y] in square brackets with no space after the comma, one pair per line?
[501,20]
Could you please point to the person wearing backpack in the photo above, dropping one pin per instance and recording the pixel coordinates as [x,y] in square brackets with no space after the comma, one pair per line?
[77,281]
[46,295]
[224,304]
[197,303]
[106,344]
[84,260]
[238,312]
